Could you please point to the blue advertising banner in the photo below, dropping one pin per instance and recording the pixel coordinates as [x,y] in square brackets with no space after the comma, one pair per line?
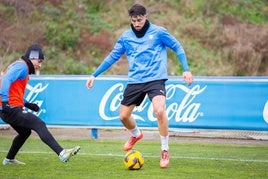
[209,103]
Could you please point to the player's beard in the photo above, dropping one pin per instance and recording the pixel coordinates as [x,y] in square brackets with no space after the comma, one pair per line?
[140,33]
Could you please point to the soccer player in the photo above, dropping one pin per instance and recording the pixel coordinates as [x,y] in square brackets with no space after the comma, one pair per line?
[12,89]
[145,47]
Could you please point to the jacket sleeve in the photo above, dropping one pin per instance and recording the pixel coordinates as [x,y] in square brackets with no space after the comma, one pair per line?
[114,56]
[171,42]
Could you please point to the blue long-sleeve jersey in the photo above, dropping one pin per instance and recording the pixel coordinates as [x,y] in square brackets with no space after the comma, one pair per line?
[147,56]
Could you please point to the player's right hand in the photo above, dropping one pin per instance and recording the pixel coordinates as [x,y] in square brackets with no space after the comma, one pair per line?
[90,82]
[188,77]
[5,107]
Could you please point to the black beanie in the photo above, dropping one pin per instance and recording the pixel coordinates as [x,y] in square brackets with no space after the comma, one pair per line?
[34,52]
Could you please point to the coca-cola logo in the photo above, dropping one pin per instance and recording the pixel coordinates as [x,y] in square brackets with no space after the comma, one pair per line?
[33,94]
[182,110]
[183,104]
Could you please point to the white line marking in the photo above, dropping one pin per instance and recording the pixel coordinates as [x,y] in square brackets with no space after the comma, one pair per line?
[152,156]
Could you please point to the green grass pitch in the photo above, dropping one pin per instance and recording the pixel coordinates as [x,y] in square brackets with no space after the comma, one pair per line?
[104,159]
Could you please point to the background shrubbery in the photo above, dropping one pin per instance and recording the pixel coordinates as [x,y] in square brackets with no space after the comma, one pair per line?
[220,37]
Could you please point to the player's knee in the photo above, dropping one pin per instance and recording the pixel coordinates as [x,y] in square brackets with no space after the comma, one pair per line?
[123,117]
[159,112]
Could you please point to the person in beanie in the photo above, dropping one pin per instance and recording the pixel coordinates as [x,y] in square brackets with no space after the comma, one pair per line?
[145,47]
[12,103]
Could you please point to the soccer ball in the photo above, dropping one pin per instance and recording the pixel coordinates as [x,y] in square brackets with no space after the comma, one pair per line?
[133,160]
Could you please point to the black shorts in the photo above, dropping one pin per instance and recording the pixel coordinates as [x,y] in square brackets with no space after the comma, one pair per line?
[135,93]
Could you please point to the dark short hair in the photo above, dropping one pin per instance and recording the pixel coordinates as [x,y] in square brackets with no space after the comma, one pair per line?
[137,10]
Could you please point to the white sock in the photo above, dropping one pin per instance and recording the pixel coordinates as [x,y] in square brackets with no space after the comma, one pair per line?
[135,132]
[164,142]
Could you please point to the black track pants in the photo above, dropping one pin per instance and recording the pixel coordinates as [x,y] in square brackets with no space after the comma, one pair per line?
[23,122]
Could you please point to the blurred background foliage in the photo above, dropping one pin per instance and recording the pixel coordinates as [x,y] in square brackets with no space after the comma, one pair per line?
[221,38]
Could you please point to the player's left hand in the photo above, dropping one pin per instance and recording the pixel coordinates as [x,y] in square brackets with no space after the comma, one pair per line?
[188,77]
[90,82]
[32,106]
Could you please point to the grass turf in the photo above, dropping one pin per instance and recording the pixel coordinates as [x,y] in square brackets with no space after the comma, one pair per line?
[104,159]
